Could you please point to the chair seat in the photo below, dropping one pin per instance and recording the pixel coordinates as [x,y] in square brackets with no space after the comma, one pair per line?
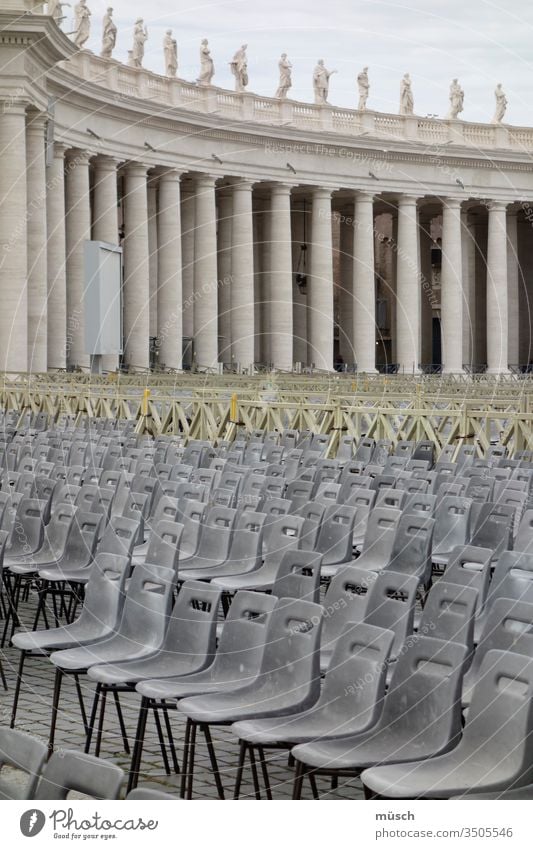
[356,753]
[56,639]
[314,724]
[254,701]
[160,665]
[117,649]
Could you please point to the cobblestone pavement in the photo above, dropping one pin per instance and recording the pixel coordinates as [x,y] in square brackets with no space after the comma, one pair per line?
[34,716]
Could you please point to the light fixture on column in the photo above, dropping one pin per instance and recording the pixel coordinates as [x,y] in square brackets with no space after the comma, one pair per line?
[93,134]
[216,158]
[460,183]
[371,174]
[291,168]
[148,146]
[301,267]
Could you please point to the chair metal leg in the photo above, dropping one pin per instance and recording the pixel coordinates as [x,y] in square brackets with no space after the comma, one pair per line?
[81,701]
[255,776]
[121,723]
[138,745]
[264,770]
[162,741]
[334,782]
[3,677]
[55,709]
[298,780]
[192,752]
[243,745]
[185,764]
[92,719]
[312,782]
[214,762]
[18,685]
[100,729]
[170,737]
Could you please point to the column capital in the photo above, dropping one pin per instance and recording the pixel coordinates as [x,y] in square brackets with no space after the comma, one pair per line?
[36,122]
[243,185]
[362,196]
[407,200]
[59,149]
[76,156]
[204,180]
[452,203]
[104,163]
[322,192]
[136,169]
[498,205]
[13,107]
[170,175]
[281,188]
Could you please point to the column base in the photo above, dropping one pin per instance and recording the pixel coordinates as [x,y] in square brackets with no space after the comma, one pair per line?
[498,371]
[453,371]
[361,371]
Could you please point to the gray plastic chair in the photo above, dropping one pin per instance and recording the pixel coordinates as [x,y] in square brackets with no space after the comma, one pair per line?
[389,497]
[362,498]
[189,646]
[144,793]
[191,515]
[524,537]
[27,534]
[411,552]
[508,627]
[345,602]
[496,748]
[298,576]
[494,529]
[470,566]
[351,701]
[449,614]
[288,682]
[379,538]
[421,503]
[69,771]
[512,578]
[299,493]
[22,753]
[421,716]
[451,527]
[236,663]
[335,536]
[245,554]
[391,605]
[215,540]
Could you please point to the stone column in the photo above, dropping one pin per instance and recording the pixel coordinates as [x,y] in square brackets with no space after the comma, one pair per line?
[497,297]
[407,288]
[169,290]
[136,267]
[299,314]
[187,257]
[426,294]
[262,278]
[346,305]
[78,228]
[105,216]
[469,287]
[452,287]
[153,263]
[280,270]
[364,284]
[205,274]
[225,210]
[56,261]
[513,288]
[242,269]
[13,239]
[37,247]
[320,285]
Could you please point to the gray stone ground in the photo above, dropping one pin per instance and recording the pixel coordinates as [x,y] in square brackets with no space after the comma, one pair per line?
[34,716]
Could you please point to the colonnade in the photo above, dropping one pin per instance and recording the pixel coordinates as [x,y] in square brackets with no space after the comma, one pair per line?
[214,261]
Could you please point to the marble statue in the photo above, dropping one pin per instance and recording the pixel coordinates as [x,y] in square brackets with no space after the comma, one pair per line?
[207,67]
[239,68]
[321,77]
[109,35]
[285,79]
[501,104]
[407,104]
[364,88]
[82,23]
[55,9]
[140,37]
[457,99]
[170,47]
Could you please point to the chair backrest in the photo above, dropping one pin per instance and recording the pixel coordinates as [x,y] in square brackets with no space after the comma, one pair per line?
[298,576]
[281,533]
[449,613]
[508,627]
[524,537]
[28,528]
[164,545]
[391,605]
[423,703]
[192,629]
[191,516]
[469,566]
[345,601]
[243,638]
[335,538]
[494,528]
[411,552]
[512,578]
[379,538]
[247,541]
[75,772]
[147,605]
[421,503]
[389,497]
[22,753]
[104,594]
[120,536]
[451,522]
[364,450]
[290,667]
[500,717]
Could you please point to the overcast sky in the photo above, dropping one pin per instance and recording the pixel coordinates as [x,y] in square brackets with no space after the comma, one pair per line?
[479,41]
